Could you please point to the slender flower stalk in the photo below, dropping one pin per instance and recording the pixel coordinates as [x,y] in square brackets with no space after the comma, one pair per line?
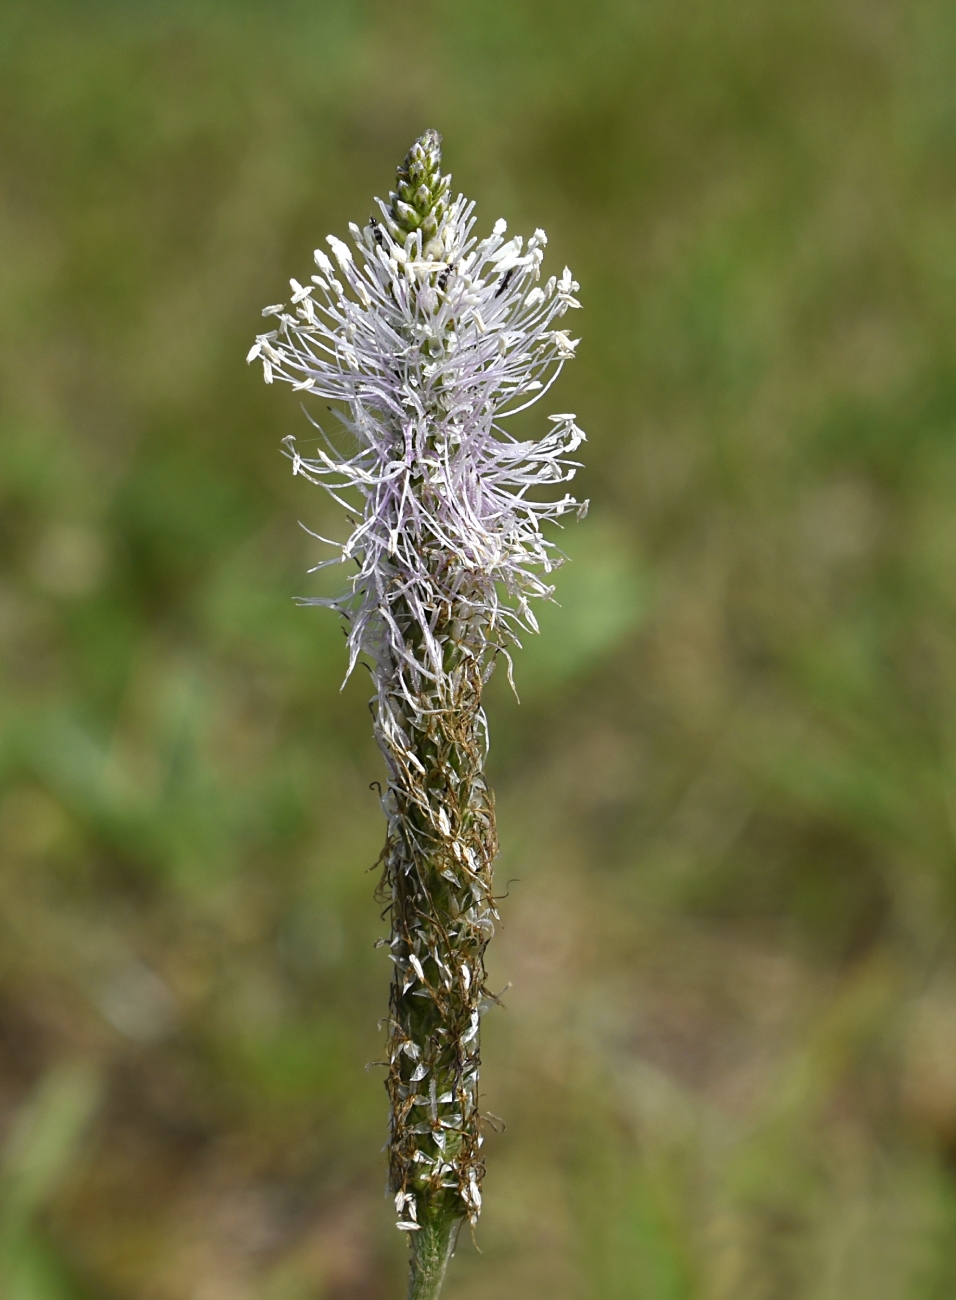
[427,341]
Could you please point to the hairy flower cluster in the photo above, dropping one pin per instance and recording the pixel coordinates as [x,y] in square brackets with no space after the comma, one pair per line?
[427,341]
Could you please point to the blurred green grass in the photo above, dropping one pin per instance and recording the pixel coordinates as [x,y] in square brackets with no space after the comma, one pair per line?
[728,797]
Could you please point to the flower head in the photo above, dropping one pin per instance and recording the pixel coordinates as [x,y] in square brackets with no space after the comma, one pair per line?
[428,339]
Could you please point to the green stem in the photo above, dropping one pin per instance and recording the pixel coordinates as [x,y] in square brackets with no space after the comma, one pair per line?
[431,1249]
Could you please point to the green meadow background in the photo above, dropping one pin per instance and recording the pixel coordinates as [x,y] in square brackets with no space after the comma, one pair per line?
[727,799]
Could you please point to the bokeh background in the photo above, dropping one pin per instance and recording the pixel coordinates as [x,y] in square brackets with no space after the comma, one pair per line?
[728,796]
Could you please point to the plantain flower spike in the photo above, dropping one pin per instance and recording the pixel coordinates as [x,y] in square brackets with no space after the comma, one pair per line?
[428,339]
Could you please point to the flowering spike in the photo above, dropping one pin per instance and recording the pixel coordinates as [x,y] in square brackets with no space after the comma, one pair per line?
[427,342]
